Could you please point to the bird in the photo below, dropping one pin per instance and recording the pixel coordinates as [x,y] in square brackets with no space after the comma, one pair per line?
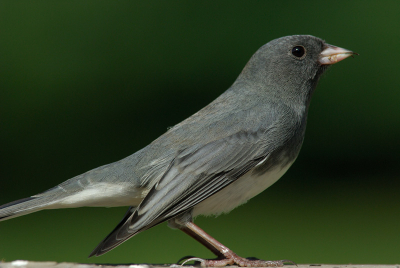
[217,159]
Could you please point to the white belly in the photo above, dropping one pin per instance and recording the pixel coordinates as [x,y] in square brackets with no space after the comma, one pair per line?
[238,192]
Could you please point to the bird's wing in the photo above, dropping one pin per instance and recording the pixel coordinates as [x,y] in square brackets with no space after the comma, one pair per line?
[195,174]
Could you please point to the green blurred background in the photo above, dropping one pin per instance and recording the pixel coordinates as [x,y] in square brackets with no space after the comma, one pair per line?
[86,83]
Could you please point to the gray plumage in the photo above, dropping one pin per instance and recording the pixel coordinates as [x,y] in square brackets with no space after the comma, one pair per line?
[211,162]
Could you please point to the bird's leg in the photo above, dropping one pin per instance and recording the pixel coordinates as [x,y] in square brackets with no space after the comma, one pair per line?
[225,255]
[203,242]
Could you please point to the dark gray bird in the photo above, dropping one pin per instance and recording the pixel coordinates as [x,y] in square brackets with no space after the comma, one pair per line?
[220,157]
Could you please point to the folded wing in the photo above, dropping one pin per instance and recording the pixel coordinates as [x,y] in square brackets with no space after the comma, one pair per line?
[195,174]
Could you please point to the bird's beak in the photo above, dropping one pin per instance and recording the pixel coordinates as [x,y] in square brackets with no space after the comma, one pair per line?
[332,54]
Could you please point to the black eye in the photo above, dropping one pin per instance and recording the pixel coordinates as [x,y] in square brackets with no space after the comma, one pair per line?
[298,51]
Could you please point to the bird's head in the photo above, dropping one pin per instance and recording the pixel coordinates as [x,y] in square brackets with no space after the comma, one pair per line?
[288,68]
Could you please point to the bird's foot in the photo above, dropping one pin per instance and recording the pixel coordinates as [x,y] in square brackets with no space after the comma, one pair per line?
[225,256]
[242,262]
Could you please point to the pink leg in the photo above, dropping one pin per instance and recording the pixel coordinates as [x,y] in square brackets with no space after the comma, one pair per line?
[225,255]
[203,242]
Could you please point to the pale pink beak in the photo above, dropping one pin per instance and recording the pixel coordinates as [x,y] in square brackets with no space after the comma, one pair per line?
[332,54]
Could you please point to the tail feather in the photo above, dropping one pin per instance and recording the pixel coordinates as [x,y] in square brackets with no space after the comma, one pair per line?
[20,207]
[46,200]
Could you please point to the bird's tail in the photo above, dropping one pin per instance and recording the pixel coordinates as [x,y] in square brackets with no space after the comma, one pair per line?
[70,194]
[22,207]
[91,189]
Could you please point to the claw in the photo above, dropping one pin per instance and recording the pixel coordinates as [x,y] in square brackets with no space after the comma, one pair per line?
[184,258]
[194,259]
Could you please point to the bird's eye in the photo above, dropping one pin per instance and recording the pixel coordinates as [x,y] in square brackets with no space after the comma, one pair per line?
[298,51]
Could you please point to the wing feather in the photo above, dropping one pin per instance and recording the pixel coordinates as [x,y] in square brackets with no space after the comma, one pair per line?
[195,174]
